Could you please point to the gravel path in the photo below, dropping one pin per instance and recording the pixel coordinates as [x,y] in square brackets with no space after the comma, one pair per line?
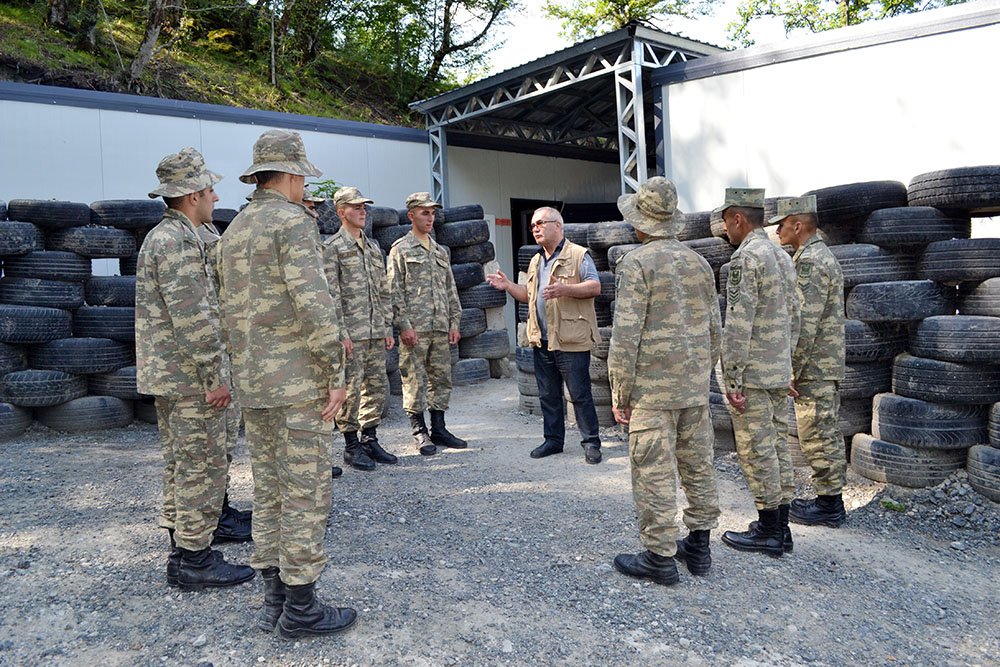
[486,557]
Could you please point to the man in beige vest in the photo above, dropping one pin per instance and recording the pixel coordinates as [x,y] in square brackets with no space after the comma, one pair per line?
[562,329]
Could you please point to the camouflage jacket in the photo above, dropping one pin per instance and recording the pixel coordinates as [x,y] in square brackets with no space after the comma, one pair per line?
[209,235]
[819,354]
[762,316]
[422,287]
[178,340]
[667,333]
[358,285]
[284,337]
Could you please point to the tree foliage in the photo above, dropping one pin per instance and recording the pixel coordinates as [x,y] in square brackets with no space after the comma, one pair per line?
[582,19]
[820,15]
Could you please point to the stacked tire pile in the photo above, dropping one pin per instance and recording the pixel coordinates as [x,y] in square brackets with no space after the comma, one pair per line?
[484,348]
[67,337]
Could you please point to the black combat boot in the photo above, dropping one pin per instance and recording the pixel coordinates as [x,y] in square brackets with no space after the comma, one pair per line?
[173,560]
[245,515]
[274,598]
[419,429]
[820,511]
[304,615]
[233,527]
[786,532]
[764,535]
[440,435]
[336,471]
[370,443]
[208,569]
[354,455]
[695,552]
[647,565]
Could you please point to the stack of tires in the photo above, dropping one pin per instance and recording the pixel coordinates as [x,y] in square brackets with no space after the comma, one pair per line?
[484,348]
[67,338]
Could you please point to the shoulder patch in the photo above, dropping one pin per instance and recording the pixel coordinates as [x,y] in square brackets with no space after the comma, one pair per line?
[805,269]
[735,275]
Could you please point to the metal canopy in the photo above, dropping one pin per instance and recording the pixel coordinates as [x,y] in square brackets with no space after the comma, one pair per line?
[589,101]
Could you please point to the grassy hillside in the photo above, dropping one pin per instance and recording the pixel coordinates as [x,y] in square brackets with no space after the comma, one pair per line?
[196,69]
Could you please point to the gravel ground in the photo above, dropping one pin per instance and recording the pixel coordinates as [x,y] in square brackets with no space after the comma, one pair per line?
[487,557]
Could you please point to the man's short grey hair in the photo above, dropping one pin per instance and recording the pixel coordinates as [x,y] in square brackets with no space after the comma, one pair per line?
[556,215]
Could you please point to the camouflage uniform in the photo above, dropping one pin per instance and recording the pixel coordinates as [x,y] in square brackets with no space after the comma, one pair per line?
[762,321]
[818,364]
[180,356]
[424,298]
[284,340]
[355,270]
[666,340]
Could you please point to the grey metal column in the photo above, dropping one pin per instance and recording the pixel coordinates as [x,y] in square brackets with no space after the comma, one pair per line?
[631,121]
[439,164]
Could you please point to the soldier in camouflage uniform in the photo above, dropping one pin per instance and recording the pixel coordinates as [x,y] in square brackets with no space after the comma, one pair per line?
[355,269]
[234,524]
[427,312]
[817,362]
[288,366]
[762,322]
[666,340]
[180,359]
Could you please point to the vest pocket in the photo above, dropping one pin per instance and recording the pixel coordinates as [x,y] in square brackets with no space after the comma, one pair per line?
[574,330]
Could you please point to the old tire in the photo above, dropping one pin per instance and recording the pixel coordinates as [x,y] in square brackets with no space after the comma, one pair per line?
[468,274]
[460,213]
[975,190]
[94,242]
[12,358]
[34,388]
[527,385]
[913,226]
[524,255]
[916,423]
[386,236]
[603,235]
[110,291]
[118,383]
[14,421]
[961,260]
[116,323]
[889,462]
[524,358]
[864,380]
[127,213]
[901,301]
[37,292]
[32,324]
[716,251]
[965,339]
[487,345]
[473,323]
[607,294]
[615,253]
[80,355]
[864,263]
[48,265]
[938,381]
[851,203]
[470,371]
[17,238]
[480,253]
[577,232]
[690,226]
[462,234]
[90,413]
[381,216]
[126,265]
[865,342]
[482,296]
[49,214]
[602,347]
[983,468]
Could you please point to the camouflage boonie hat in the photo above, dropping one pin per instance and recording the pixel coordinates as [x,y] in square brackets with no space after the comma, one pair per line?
[349,195]
[307,195]
[183,173]
[652,208]
[793,206]
[420,200]
[280,150]
[745,197]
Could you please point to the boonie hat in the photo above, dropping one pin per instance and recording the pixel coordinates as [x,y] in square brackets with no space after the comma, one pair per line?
[652,208]
[745,197]
[280,150]
[349,195]
[307,195]
[793,206]
[182,173]
[420,200]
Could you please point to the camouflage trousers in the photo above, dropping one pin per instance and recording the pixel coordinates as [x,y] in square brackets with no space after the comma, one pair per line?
[193,441]
[762,447]
[426,372]
[661,444]
[234,417]
[816,412]
[367,386]
[291,458]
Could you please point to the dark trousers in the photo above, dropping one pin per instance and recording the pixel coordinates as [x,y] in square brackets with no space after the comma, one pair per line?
[573,368]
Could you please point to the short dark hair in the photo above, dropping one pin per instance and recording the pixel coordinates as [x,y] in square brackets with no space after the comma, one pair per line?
[755,216]
[265,177]
[173,202]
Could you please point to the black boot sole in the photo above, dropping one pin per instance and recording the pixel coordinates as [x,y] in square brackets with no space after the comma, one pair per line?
[363,468]
[201,586]
[773,553]
[656,580]
[696,570]
[298,633]
[829,523]
[226,539]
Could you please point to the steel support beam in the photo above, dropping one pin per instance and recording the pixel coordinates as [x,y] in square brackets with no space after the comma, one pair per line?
[631,122]
[439,164]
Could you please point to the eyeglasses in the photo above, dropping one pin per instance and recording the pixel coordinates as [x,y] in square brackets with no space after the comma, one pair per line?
[537,224]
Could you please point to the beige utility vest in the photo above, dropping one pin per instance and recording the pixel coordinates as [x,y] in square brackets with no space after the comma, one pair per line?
[571,323]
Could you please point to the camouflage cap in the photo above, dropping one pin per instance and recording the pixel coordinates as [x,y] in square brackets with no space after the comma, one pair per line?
[183,173]
[652,208]
[307,195]
[280,150]
[745,197]
[349,195]
[419,200]
[793,206]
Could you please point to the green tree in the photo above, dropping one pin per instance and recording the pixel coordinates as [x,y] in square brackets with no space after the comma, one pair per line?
[582,19]
[820,15]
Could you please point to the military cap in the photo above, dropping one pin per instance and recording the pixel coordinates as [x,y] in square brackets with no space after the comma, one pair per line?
[183,173]
[793,206]
[420,199]
[743,197]
[307,195]
[652,208]
[280,150]
[349,195]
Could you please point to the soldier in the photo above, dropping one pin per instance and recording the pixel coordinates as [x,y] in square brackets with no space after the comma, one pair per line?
[762,322]
[667,335]
[311,201]
[180,359]
[562,329]
[427,312]
[234,524]
[355,269]
[288,363]
[817,362]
